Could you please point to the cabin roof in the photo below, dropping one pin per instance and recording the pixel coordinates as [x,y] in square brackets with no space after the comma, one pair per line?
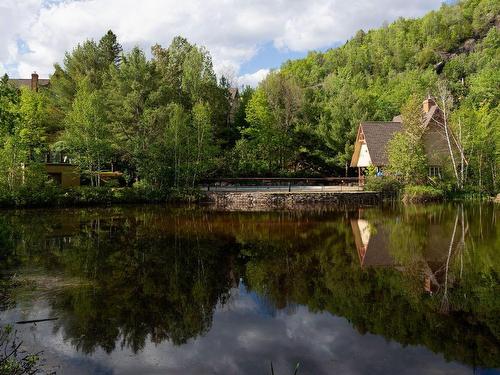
[433,114]
[377,253]
[377,135]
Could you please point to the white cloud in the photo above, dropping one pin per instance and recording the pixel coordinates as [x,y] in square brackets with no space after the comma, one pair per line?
[15,17]
[253,79]
[232,30]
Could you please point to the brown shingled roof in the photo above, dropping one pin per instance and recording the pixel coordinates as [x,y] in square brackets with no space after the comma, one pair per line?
[377,136]
[378,253]
[434,114]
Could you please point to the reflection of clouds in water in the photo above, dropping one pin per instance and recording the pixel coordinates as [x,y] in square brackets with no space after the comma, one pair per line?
[59,355]
[243,340]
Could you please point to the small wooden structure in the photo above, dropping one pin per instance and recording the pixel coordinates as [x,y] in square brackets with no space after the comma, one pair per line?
[66,175]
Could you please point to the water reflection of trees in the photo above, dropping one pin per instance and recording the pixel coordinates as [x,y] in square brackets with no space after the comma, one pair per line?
[388,295]
[159,274]
[145,282]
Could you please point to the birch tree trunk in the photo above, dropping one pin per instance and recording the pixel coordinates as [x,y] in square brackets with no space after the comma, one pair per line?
[445,98]
[444,302]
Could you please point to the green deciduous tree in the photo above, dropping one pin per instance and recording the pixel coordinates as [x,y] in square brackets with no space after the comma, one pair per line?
[88,135]
[406,154]
[33,123]
[9,98]
[272,114]
[23,139]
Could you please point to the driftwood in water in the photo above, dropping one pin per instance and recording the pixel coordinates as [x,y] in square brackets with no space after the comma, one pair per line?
[35,321]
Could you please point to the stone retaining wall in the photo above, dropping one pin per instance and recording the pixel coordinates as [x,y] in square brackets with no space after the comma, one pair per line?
[250,200]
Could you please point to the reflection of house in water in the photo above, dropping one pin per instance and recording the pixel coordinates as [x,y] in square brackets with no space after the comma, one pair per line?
[61,232]
[373,245]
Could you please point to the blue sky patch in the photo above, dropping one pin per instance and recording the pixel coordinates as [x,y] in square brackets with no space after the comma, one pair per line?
[22,46]
[270,57]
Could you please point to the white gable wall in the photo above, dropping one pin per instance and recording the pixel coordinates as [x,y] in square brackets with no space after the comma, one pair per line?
[364,230]
[364,157]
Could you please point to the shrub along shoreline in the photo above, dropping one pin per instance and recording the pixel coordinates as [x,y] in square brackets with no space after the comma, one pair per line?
[90,196]
[414,193]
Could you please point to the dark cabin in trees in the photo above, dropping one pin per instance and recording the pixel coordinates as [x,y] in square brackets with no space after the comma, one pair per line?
[373,137]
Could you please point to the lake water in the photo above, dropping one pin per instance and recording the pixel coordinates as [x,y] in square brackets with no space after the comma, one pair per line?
[193,290]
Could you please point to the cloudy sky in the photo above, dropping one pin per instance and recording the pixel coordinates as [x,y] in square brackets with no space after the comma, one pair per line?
[246,37]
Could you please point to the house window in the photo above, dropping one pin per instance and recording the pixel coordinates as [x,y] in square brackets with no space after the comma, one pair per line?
[57,158]
[435,171]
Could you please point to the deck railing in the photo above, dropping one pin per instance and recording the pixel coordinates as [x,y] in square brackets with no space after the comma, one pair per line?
[282,183]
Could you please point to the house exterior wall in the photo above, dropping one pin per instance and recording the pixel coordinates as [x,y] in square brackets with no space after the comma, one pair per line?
[65,174]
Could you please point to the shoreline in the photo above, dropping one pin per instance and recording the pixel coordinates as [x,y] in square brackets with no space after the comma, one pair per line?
[102,197]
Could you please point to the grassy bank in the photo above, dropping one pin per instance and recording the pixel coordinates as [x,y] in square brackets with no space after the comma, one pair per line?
[422,194]
[390,187]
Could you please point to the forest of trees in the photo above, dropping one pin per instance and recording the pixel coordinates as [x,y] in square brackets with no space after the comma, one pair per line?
[165,121]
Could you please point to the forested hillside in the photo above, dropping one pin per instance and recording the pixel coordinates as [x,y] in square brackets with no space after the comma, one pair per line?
[166,121]
[371,77]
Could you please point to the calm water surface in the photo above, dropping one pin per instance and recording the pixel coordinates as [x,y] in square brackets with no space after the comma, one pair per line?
[190,290]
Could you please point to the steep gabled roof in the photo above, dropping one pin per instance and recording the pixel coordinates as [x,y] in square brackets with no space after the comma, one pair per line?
[378,253]
[377,136]
[434,114]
